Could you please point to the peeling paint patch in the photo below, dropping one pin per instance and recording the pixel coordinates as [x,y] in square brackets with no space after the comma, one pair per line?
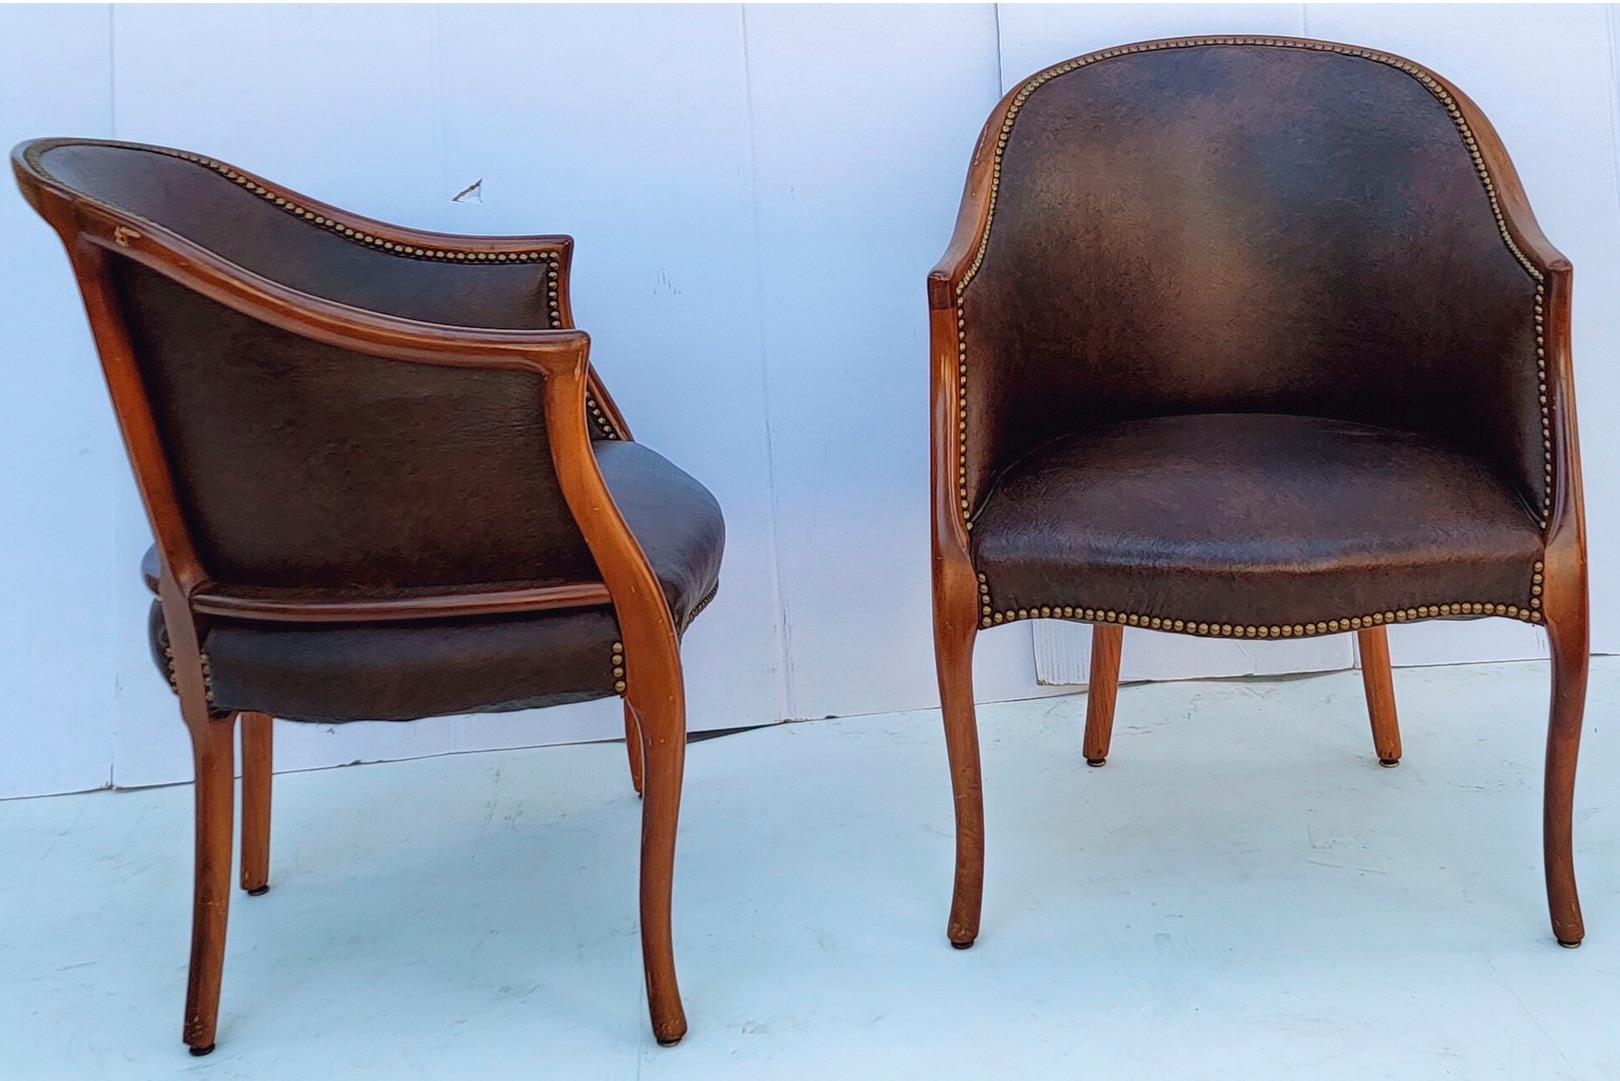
[472,193]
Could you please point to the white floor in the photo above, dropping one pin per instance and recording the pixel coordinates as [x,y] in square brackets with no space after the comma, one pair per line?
[1241,893]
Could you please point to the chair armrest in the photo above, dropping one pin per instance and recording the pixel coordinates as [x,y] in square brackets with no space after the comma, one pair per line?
[954,492]
[377,334]
[972,217]
[1564,512]
[1506,189]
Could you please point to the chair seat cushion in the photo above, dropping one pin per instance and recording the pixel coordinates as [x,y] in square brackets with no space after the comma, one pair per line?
[422,668]
[1255,525]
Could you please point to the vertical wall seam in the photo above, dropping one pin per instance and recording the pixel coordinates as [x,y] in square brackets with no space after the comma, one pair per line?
[1001,75]
[110,489]
[787,702]
[1614,104]
[443,186]
[112,72]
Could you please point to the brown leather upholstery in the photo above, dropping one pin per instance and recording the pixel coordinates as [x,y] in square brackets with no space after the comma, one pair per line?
[1236,234]
[1287,520]
[424,668]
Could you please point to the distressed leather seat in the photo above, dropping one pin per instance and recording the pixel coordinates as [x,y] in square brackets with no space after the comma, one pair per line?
[1250,337]
[385,483]
[477,664]
[1306,519]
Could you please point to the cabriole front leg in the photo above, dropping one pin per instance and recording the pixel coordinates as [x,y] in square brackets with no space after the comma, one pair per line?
[1567,638]
[660,713]
[953,655]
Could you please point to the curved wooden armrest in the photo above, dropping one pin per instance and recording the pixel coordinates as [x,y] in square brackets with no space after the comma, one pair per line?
[973,216]
[1517,217]
[376,334]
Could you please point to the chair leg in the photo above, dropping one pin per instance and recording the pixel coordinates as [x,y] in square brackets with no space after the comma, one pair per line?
[662,725]
[1102,691]
[953,656]
[257,771]
[632,744]
[213,749]
[1379,684]
[1567,637]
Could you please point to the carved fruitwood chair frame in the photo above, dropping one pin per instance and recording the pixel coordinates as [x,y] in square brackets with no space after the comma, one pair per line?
[961,608]
[573,400]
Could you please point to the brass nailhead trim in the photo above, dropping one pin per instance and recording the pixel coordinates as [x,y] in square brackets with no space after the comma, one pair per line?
[603,424]
[174,680]
[1429,83]
[698,608]
[618,647]
[1530,614]
[442,255]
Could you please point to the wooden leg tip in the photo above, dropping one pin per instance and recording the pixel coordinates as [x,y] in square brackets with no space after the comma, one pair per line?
[955,945]
[671,1035]
[258,891]
[1095,762]
[1389,763]
[199,1052]
[1575,945]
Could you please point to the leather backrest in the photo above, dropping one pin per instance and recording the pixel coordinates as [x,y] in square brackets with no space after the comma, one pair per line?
[191,196]
[306,465]
[1246,228]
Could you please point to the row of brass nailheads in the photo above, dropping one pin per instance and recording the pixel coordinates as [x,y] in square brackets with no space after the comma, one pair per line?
[174,680]
[550,258]
[697,610]
[1429,83]
[989,617]
[603,425]
[618,667]
[439,254]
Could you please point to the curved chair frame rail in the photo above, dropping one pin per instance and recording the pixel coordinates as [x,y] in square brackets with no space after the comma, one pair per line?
[574,402]
[962,596]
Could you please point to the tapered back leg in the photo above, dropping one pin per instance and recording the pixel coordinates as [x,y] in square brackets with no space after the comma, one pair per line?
[214,756]
[257,772]
[1103,690]
[955,629]
[1379,683]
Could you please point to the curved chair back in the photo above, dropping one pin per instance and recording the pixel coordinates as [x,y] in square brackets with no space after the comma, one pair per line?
[1252,226]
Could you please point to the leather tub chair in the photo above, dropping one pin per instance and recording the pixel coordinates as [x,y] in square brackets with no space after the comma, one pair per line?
[1251,338]
[384,483]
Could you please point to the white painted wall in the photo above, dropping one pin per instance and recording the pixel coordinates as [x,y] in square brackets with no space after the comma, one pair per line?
[757,194]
